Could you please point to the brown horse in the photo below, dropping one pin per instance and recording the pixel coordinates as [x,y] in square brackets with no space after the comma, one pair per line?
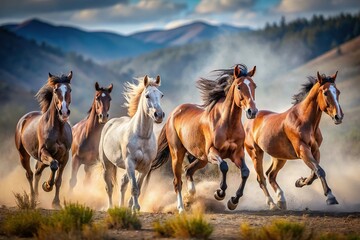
[46,135]
[87,132]
[212,132]
[294,134]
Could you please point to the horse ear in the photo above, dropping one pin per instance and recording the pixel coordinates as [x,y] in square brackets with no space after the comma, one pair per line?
[69,76]
[334,76]
[50,75]
[110,87]
[236,71]
[319,78]
[97,87]
[146,80]
[252,72]
[158,80]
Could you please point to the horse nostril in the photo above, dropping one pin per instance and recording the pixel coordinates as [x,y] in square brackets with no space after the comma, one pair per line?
[107,115]
[155,114]
[249,112]
[163,114]
[100,115]
[60,112]
[337,118]
[68,112]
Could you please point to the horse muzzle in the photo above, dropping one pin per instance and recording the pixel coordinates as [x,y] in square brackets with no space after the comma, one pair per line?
[159,116]
[251,113]
[103,118]
[337,119]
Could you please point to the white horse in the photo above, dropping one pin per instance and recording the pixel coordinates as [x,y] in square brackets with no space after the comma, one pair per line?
[129,142]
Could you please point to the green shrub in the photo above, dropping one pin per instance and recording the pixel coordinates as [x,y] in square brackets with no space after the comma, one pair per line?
[277,230]
[184,226]
[337,236]
[22,223]
[72,217]
[25,202]
[122,218]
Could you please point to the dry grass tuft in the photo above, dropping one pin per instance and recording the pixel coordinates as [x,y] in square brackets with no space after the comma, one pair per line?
[184,226]
[25,202]
[25,223]
[122,218]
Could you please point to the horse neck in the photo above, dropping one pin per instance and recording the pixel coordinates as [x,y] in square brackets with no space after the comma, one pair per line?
[92,122]
[309,108]
[230,112]
[51,117]
[141,121]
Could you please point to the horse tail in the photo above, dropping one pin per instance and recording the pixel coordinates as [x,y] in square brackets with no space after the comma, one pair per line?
[163,153]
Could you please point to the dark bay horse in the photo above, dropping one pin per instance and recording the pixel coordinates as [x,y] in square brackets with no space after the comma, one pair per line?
[294,134]
[212,132]
[87,132]
[46,135]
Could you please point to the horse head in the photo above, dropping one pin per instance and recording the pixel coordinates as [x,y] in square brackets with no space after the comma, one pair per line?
[328,97]
[62,96]
[153,95]
[102,100]
[244,95]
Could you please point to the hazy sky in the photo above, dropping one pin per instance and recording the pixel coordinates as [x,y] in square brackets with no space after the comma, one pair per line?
[127,16]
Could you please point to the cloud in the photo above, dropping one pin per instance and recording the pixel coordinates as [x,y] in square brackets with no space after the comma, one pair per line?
[144,10]
[292,6]
[24,8]
[219,6]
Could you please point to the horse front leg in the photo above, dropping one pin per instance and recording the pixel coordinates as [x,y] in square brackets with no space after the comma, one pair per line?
[47,159]
[58,181]
[130,170]
[244,170]
[310,161]
[214,157]
[123,188]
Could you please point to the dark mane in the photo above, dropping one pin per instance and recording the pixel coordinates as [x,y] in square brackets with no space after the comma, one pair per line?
[213,90]
[44,95]
[306,87]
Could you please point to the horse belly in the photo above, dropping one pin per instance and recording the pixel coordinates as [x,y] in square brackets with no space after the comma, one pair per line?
[278,147]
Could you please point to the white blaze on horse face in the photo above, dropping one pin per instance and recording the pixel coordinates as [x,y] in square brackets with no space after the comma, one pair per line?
[333,92]
[103,94]
[63,89]
[247,82]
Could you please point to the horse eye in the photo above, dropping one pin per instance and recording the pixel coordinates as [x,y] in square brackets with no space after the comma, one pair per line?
[325,93]
[147,96]
[238,87]
[162,95]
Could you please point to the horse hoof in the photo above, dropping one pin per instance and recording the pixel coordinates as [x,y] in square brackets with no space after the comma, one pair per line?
[299,183]
[273,207]
[218,196]
[231,205]
[281,205]
[46,187]
[331,201]
[56,206]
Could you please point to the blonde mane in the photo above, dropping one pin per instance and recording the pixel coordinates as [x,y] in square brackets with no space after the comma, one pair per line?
[133,93]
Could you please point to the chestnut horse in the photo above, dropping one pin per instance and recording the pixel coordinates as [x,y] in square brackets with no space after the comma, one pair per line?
[46,135]
[294,134]
[211,132]
[86,134]
[129,142]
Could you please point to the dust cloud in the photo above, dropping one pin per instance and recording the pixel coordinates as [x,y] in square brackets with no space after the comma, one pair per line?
[341,172]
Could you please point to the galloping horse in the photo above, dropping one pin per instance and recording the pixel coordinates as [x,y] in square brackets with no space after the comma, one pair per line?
[129,142]
[46,135]
[294,134]
[211,132]
[86,134]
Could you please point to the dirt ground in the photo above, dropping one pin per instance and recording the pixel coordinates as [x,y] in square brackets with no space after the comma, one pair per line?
[227,224]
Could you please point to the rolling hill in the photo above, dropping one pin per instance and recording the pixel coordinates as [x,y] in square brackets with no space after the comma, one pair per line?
[99,46]
[194,32]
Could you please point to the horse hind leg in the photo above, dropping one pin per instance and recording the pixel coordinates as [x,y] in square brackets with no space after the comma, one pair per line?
[271,173]
[75,165]
[123,187]
[110,179]
[177,156]
[195,164]
[257,155]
